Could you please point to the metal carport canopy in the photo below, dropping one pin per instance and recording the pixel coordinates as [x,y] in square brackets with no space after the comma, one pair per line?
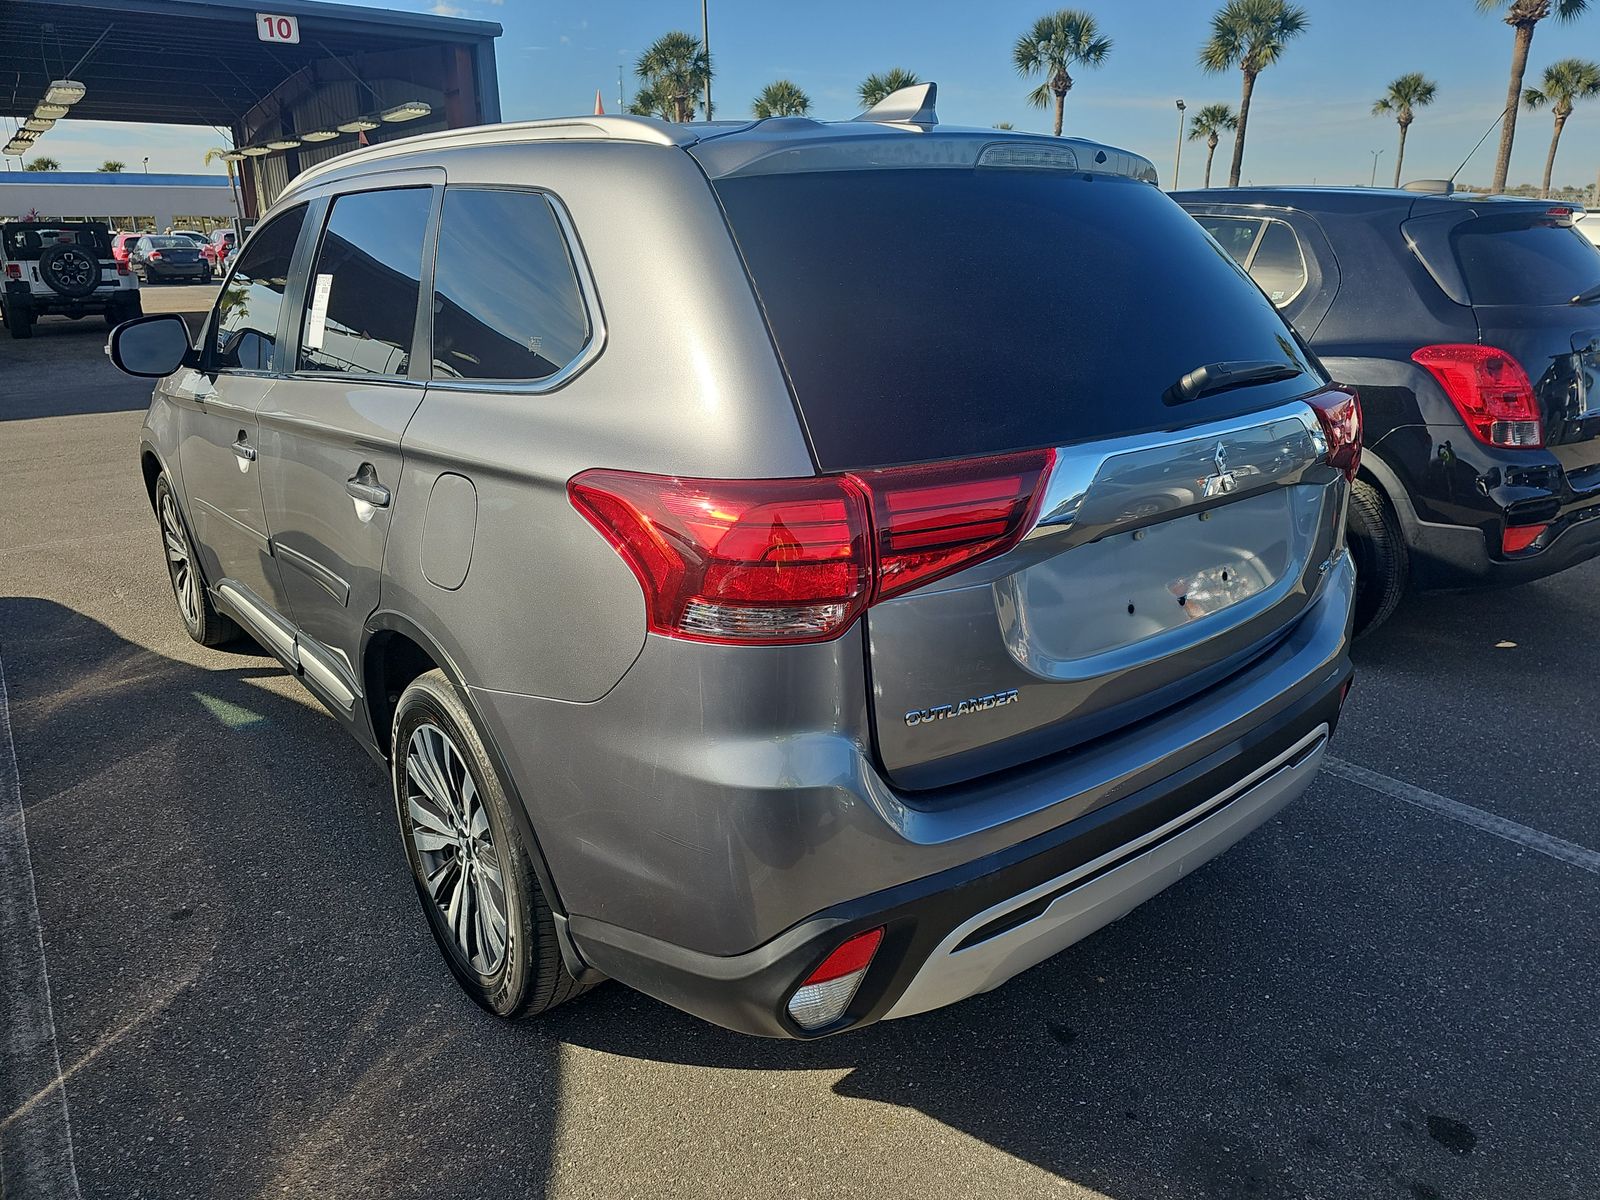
[200,62]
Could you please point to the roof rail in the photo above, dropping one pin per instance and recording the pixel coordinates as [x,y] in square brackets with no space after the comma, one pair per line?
[906,106]
[646,130]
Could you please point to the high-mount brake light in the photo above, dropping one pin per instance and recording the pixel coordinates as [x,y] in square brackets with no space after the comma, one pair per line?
[797,560]
[1490,390]
[1339,413]
[824,994]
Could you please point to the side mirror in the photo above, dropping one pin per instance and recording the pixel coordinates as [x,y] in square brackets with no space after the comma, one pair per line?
[151,347]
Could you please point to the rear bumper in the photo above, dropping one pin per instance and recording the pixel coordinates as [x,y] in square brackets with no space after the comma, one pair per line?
[1106,827]
[1458,556]
[969,929]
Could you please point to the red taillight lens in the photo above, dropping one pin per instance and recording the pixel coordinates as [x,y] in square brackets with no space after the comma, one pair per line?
[824,994]
[155,254]
[797,560]
[1339,413]
[1490,390]
[13,270]
[734,560]
[929,522]
[1520,537]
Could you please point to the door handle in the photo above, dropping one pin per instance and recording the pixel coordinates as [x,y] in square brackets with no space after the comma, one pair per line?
[244,450]
[364,486]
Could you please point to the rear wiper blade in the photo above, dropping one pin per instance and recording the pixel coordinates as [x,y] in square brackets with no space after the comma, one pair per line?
[1220,376]
[1587,296]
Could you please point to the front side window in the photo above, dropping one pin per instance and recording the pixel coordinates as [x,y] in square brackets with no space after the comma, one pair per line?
[361,301]
[506,303]
[247,310]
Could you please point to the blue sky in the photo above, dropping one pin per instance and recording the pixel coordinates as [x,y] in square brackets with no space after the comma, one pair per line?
[1311,120]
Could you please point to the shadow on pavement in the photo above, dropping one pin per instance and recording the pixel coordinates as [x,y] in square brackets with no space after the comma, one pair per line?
[1350,1003]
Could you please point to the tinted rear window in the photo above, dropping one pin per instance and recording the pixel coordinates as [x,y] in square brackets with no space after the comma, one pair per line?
[1512,260]
[933,313]
[25,243]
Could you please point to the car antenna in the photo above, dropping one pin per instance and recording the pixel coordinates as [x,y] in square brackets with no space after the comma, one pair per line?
[1479,146]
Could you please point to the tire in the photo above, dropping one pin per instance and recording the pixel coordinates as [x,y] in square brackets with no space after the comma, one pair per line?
[1383,564]
[444,823]
[19,321]
[205,276]
[69,270]
[199,616]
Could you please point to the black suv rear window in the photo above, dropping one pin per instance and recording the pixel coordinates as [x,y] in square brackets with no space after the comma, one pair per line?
[1515,260]
[934,313]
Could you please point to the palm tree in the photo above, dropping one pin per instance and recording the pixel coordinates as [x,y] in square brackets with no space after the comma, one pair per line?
[212,155]
[782,98]
[1250,35]
[42,162]
[1564,83]
[111,166]
[1208,123]
[1522,16]
[675,68]
[652,101]
[1056,43]
[1405,94]
[875,86]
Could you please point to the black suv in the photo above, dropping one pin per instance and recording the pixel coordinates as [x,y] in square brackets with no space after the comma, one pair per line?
[1471,327]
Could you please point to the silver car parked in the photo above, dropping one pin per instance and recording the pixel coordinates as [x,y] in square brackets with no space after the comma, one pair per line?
[808,572]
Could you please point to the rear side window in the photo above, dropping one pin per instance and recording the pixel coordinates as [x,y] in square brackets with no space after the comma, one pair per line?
[361,299]
[933,313]
[1514,260]
[1236,236]
[1278,266]
[251,300]
[506,304]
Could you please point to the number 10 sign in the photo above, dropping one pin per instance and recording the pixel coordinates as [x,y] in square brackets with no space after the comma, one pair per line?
[272,28]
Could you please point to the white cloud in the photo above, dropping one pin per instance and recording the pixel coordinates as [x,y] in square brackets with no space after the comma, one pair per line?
[442,8]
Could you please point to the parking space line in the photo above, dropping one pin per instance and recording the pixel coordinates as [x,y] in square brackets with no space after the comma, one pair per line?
[36,1156]
[1512,831]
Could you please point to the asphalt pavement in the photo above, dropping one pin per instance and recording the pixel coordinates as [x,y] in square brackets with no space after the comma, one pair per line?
[1376,995]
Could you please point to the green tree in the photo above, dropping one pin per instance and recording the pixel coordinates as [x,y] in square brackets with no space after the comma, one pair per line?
[673,71]
[1057,42]
[1405,95]
[111,166]
[782,98]
[1522,16]
[875,86]
[1564,84]
[1250,35]
[1006,125]
[42,162]
[1210,123]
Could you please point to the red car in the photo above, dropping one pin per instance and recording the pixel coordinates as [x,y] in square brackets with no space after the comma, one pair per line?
[216,251]
[120,245]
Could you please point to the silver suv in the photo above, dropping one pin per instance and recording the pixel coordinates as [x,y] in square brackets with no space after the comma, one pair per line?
[807,572]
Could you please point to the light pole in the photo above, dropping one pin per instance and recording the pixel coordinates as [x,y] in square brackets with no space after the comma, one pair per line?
[147,164]
[1376,155]
[1177,161]
[705,44]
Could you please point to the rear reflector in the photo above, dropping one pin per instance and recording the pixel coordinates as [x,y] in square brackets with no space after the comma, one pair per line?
[13,270]
[797,560]
[825,993]
[1490,390]
[1520,537]
[1339,413]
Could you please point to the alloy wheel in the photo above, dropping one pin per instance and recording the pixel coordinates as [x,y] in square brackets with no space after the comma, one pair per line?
[180,566]
[460,865]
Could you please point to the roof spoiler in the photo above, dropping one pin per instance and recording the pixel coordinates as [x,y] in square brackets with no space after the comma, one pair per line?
[906,106]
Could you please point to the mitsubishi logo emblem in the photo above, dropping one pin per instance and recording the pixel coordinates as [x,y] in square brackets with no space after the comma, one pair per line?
[1223,481]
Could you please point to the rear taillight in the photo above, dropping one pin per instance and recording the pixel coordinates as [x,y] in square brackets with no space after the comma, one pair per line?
[1489,389]
[824,994]
[797,560]
[122,267]
[155,254]
[1339,413]
[13,270]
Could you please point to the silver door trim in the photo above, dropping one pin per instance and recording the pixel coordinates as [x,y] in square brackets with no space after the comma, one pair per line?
[276,633]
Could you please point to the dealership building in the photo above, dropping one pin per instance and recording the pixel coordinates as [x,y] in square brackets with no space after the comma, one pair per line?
[292,82]
[130,202]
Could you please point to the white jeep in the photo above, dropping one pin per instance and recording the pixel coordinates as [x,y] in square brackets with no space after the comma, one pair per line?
[62,267]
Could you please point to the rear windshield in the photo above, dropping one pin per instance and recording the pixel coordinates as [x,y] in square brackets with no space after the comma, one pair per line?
[24,243]
[933,313]
[1514,260]
[171,243]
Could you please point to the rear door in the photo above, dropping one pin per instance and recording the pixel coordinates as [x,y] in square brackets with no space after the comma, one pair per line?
[957,314]
[331,430]
[219,447]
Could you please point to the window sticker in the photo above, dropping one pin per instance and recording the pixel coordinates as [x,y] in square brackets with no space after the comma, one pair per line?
[317,319]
